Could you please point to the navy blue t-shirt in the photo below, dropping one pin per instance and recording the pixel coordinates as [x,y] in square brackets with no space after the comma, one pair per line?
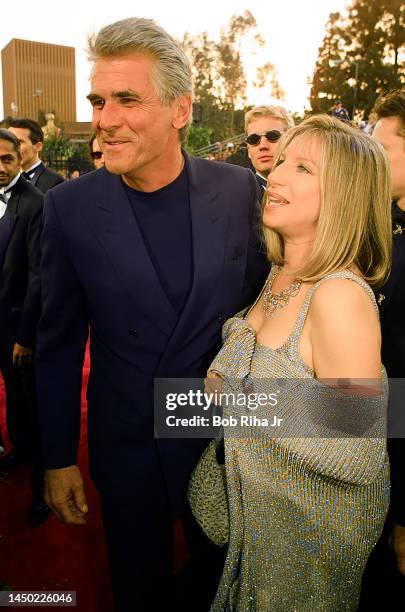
[163,217]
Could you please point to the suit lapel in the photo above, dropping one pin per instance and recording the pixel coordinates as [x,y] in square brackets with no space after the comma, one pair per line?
[115,226]
[209,221]
[38,171]
[7,223]
[16,192]
[9,219]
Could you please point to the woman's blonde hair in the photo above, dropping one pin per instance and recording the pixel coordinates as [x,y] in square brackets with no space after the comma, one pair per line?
[354,225]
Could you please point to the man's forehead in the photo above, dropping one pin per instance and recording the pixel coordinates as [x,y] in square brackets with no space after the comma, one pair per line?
[265,123]
[130,63]
[387,126]
[20,132]
[6,147]
[128,73]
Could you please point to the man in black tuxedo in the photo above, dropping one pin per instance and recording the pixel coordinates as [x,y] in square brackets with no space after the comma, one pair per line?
[21,207]
[31,140]
[151,253]
[387,562]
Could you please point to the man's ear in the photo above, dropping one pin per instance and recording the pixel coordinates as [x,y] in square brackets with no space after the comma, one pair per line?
[38,146]
[183,108]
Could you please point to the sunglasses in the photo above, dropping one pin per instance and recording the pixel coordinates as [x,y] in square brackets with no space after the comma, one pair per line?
[96,154]
[271,136]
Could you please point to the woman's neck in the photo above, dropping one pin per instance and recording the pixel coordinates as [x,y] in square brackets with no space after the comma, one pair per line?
[296,254]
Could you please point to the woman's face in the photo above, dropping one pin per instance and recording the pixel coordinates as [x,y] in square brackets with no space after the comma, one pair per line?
[294,193]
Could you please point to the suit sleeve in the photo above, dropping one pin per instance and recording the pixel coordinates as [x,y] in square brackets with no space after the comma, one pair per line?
[26,332]
[257,264]
[61,342]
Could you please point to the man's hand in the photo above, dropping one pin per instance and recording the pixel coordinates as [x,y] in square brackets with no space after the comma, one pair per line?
[22,355]
[64,494]
[398,546]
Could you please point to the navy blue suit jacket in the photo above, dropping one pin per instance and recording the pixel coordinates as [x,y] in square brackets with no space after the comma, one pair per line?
[97,276]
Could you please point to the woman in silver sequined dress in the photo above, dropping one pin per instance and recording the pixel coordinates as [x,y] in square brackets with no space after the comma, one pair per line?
[307,505]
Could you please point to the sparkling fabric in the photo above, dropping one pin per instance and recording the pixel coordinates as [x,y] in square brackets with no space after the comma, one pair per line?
[305,513]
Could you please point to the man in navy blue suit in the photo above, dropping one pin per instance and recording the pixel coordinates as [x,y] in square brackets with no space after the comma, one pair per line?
[151,254]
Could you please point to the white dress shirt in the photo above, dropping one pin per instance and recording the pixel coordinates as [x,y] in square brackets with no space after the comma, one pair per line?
[6,193]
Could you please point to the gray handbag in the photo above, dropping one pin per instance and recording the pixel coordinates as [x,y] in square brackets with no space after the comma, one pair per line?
[207,494]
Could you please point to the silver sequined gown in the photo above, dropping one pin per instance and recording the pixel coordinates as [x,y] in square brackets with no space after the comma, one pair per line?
[305,513]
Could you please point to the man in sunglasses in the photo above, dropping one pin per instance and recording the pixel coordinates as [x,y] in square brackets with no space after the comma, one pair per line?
[96,153]
[264,126]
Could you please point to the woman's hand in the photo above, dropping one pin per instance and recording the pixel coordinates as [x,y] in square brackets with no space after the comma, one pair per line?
[213,383]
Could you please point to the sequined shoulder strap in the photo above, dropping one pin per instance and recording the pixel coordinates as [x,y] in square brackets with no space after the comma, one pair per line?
[296,333]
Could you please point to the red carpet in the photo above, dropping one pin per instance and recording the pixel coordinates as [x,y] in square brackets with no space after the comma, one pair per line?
[53,556]
[57,557]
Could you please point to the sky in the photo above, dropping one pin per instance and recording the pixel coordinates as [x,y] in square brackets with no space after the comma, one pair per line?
[293,31]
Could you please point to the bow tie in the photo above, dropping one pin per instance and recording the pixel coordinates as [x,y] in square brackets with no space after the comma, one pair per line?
[28,175]
[3,195]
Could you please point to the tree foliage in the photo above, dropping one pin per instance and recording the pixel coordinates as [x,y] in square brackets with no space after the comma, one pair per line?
[56,147]
[267,77]
[220,81]
[198,137]
[367,42]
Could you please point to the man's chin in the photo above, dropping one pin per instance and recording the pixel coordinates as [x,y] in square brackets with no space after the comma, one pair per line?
[264,171]
[114,167]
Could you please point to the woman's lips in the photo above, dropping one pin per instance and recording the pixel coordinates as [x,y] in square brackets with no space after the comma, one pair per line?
[274,200]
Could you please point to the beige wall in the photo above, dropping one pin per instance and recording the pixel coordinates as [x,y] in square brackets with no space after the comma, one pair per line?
[39,76]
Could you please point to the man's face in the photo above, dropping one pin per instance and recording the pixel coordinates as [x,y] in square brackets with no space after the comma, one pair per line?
[97,154]
[29,151]
[9,163]
[136,132]
[262,154]
[387,132]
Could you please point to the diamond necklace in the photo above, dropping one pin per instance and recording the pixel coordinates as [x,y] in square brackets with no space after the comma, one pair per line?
[275,301]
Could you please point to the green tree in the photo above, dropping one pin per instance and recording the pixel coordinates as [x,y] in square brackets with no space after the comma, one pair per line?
[56,147]
[230,69]
[80,158]
[198,137]
[202,53]
[361,55]
[219,75]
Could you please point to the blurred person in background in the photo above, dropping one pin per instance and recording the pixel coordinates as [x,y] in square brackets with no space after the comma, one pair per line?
[389,130]
[31,138]
[264,126]
[96,153]
[340,112]
[21,206]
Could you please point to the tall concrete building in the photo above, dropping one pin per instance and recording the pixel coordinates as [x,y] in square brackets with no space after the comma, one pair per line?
[38,78]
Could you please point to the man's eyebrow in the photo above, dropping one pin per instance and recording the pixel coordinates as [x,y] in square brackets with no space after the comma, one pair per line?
[124,93]
[93,96]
